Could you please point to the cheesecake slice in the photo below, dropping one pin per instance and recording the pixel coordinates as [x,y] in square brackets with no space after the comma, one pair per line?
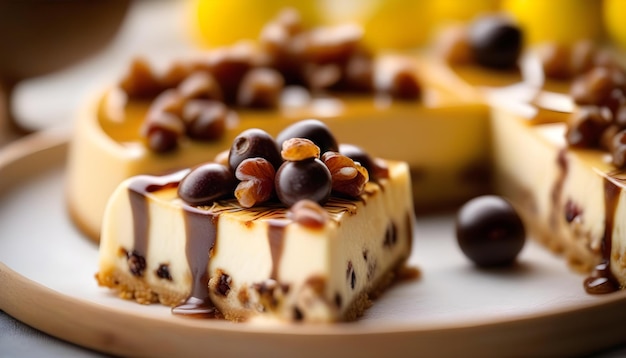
[307,262]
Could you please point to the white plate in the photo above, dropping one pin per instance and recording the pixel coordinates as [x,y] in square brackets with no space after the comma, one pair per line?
[47,269]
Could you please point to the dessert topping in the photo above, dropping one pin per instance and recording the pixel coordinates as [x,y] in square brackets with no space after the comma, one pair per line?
[308,213]
[304,179]
[206,183]
[256,184]
[321,59]
[205,119]
[253,143]
[601,115]
[295,149]
[260,88]
[348,178]
[256,170]
[489,231]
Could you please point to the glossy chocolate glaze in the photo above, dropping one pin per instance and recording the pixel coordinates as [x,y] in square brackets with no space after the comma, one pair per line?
[276,240]
[601,279]
[201,229]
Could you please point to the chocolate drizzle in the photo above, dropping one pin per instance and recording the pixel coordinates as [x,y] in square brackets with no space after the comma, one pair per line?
[201,233]
[137,190]
[276,239]
[601,280]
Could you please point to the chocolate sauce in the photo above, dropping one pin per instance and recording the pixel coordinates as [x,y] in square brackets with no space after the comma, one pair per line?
[137,191]
[601,280]
[557,189]
[201,233]
[201,229]
[276,239]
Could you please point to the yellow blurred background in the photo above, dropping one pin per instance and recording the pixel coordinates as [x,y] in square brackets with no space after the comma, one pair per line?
[402,24]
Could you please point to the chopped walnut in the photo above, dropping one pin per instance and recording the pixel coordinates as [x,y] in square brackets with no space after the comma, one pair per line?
[296,149]
[257,181]
[348,177]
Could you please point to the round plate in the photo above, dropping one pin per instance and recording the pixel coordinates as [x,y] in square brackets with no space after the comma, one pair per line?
[538,306]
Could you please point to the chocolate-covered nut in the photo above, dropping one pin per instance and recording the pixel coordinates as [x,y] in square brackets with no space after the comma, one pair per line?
[306,179]
[586,126]
[312,129]
[205,119]
[260,88]
[489,231]
[253,143]
[496,42]
[206,183]
[200,85]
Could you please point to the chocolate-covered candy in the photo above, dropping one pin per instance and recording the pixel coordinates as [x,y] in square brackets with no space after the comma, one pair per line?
[306,179]
[312,129]
[205,119]
[206,183]
[489,231]
[253,143]
[495,41]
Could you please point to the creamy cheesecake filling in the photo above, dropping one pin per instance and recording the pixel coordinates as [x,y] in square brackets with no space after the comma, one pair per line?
[239,262]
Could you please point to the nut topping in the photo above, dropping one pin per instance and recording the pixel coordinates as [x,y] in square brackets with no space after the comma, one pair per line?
[348,178]
[257,181]
[308,213]
[295,149]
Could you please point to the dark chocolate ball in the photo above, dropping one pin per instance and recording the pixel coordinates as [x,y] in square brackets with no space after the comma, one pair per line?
[253,143]
[489,231]
[495,41]
[305,179]
[206,183]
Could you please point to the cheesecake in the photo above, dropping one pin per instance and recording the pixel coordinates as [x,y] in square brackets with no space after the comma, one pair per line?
[188,240]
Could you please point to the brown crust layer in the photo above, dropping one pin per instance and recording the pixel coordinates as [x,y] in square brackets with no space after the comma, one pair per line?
[132,288]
